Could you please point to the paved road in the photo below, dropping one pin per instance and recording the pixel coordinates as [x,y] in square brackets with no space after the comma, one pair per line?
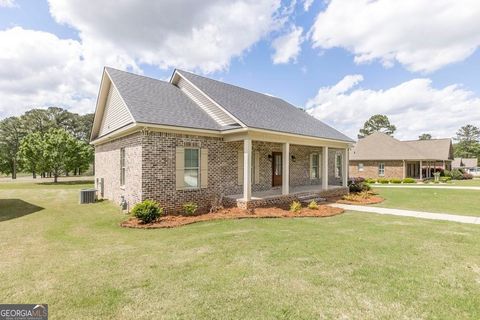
[410,213]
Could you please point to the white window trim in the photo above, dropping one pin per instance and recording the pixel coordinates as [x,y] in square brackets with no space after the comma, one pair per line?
[360,167]
[185,168]
[318,166]
[381,169]
[338,168]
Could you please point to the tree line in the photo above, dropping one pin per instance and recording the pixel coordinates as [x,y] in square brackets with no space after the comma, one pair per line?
[48,142]
[467,139]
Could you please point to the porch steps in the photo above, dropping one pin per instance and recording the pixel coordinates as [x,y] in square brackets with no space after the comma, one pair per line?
[306,199]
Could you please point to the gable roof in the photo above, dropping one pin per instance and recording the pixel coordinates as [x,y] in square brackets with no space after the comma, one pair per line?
[261,111]
[156,102]
[380,146]
[159,102]
[465,162]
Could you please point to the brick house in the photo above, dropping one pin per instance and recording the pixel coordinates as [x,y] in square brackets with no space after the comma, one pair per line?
[198,139]
[382,156]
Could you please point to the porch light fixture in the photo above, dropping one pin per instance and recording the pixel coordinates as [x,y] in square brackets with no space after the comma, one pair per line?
[293,158]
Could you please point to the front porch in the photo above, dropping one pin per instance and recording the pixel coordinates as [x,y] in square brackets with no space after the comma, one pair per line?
[275,170]
[424,169]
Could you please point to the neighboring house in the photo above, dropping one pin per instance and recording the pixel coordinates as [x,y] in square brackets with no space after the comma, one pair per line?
[382,156]
[470,165]
[198,139]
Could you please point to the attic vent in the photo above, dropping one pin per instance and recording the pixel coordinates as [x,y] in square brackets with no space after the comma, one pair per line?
[217,114]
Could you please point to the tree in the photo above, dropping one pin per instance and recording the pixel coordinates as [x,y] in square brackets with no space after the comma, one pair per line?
[11,134]
[58,147]
[31,153]
[79,156]
[425,136]
[468,142]
[377,123]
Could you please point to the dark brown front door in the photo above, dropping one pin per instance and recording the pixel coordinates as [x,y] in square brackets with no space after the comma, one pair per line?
[276,169]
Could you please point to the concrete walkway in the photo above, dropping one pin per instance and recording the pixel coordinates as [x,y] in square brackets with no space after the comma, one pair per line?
[425,186]
[410,213]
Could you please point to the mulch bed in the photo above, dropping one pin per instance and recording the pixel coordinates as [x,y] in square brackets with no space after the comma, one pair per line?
[233,213]
[361,201]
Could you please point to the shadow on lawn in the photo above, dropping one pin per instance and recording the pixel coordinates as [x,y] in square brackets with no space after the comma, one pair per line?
[16,208]
[66,183]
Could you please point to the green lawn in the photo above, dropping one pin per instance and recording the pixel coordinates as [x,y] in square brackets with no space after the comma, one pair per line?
[473,183]
[363,266]
[462,202]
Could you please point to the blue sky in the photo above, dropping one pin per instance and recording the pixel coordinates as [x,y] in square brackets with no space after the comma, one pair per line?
[347,61]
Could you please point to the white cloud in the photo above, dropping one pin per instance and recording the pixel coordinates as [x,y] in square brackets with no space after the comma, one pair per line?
[414,106]
[307,4]
[288,46]
[40,70]
[422,35]
[7,3]
[192,34]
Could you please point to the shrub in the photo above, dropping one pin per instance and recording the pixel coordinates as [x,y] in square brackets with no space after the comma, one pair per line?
[147,211]
[383,180]
[457,174]
[445,179]
[467,176]
[370,180]
[190,208]
[395,180]
[295,206]
[408,180]
[447,173]
[313,205]
[427,180]
[357,185]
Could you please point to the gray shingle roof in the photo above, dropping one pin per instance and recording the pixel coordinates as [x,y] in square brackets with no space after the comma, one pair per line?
[465,162]
[159,102]
[257,110]
[379,146]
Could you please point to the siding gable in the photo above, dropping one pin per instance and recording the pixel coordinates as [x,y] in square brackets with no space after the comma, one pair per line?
[116,113]
[217,114]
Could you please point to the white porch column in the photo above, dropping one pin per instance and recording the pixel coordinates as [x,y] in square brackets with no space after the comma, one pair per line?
[421,177]
[325,168]
[444,165]
[247,169]
[345,168]
[286,168]
[404,169]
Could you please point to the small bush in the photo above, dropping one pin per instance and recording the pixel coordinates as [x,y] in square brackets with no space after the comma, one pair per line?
[456,174]
[147,211]
[383,181]
[408,180]
[395,180]
[313,205]
[427,180]
[190,208]
[445,179]
[357,185]
[447,173]
[295,206]
[467,176]
[370,180]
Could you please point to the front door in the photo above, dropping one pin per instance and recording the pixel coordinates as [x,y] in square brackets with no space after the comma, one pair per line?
[276,169]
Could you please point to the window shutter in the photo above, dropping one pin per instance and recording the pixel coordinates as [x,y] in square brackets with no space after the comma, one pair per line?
[257,167]
[180,168]
[240,167]
[204,168]
[311,166]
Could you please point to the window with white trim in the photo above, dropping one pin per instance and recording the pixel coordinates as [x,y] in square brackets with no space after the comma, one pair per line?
[338,165]
[360,166]
[122,166]
[381,169]
[191,175]
[314,166]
